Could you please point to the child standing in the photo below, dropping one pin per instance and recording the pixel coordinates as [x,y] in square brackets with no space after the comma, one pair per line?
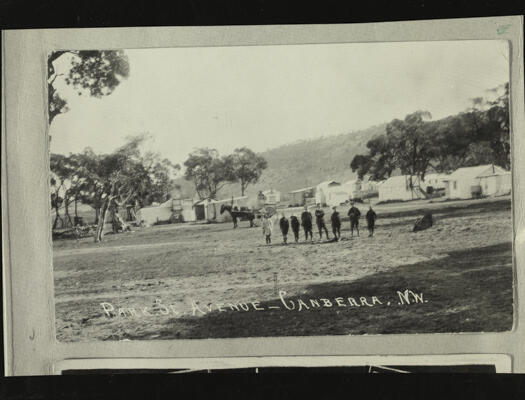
[319,219]
[371,217]
[295,227]
[354,215]
[306,221]
[267,227]
[284,225]
[336,224]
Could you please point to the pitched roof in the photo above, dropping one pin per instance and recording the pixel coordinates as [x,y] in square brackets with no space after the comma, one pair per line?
[475,172]
[302,189]
[397,181]
[329,183]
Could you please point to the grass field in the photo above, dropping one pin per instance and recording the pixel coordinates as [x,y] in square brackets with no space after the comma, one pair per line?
[210,281]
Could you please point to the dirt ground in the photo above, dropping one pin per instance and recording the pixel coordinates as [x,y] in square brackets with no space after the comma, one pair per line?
[209,280]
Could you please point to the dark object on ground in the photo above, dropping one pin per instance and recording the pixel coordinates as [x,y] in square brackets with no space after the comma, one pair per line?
[424,222]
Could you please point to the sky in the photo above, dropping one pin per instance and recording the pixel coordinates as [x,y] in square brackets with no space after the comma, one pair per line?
[266,96]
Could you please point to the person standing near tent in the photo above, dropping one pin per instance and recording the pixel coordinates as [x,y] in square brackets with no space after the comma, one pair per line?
[234,216]
[284,225]
[371,217]
[336,224]
[267,227]
[354,215]
[295,227]
[306,222]
[319,220]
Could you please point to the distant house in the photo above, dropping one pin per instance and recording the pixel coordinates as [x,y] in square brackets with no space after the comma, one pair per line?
[398,188]
[302,196]
[482,180]
[331,193]
[271,196]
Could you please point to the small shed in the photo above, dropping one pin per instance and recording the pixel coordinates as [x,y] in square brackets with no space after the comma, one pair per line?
[331,193]
[481,180]
[398,188]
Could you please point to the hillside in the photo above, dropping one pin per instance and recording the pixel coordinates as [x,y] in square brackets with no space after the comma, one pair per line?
[305,163]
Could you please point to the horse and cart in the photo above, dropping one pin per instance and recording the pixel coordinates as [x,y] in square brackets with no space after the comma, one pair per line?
[247,214]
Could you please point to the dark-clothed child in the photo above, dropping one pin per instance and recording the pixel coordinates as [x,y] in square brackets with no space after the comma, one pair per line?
[306,222]
[371,217]
[319,220]
[284,225]
[336,224]
[354,215]
[295,227]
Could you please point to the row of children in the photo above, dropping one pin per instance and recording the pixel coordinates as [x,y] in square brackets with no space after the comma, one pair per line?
[306,222]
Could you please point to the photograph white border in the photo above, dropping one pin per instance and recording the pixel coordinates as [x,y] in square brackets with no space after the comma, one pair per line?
[29,317]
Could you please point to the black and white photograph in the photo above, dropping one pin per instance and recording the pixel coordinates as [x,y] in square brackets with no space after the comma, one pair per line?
[286,190]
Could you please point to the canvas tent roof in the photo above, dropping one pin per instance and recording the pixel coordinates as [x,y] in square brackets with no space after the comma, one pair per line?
[475,172]
[435,176]
[303,189]
[212,201]
[329,183]
[395,181]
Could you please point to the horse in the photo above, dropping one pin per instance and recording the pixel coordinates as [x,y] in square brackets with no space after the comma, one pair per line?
[243,215]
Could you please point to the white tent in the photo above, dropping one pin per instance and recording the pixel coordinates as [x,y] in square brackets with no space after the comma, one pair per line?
[399,188]
[481,180]
[331,193]
[154,214]
[165,211]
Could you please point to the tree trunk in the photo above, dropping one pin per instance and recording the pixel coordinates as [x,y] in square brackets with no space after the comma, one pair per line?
[97,215]
[99,234]
[57,217]
[76,208]
[66,214]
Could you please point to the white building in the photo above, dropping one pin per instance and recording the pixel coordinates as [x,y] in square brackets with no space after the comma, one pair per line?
[398,188]
[436,181]
[153,214]
[331,193]
[169,210]
[272,196]
[209,209]
[353,187]
[482,180]
[302,196]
